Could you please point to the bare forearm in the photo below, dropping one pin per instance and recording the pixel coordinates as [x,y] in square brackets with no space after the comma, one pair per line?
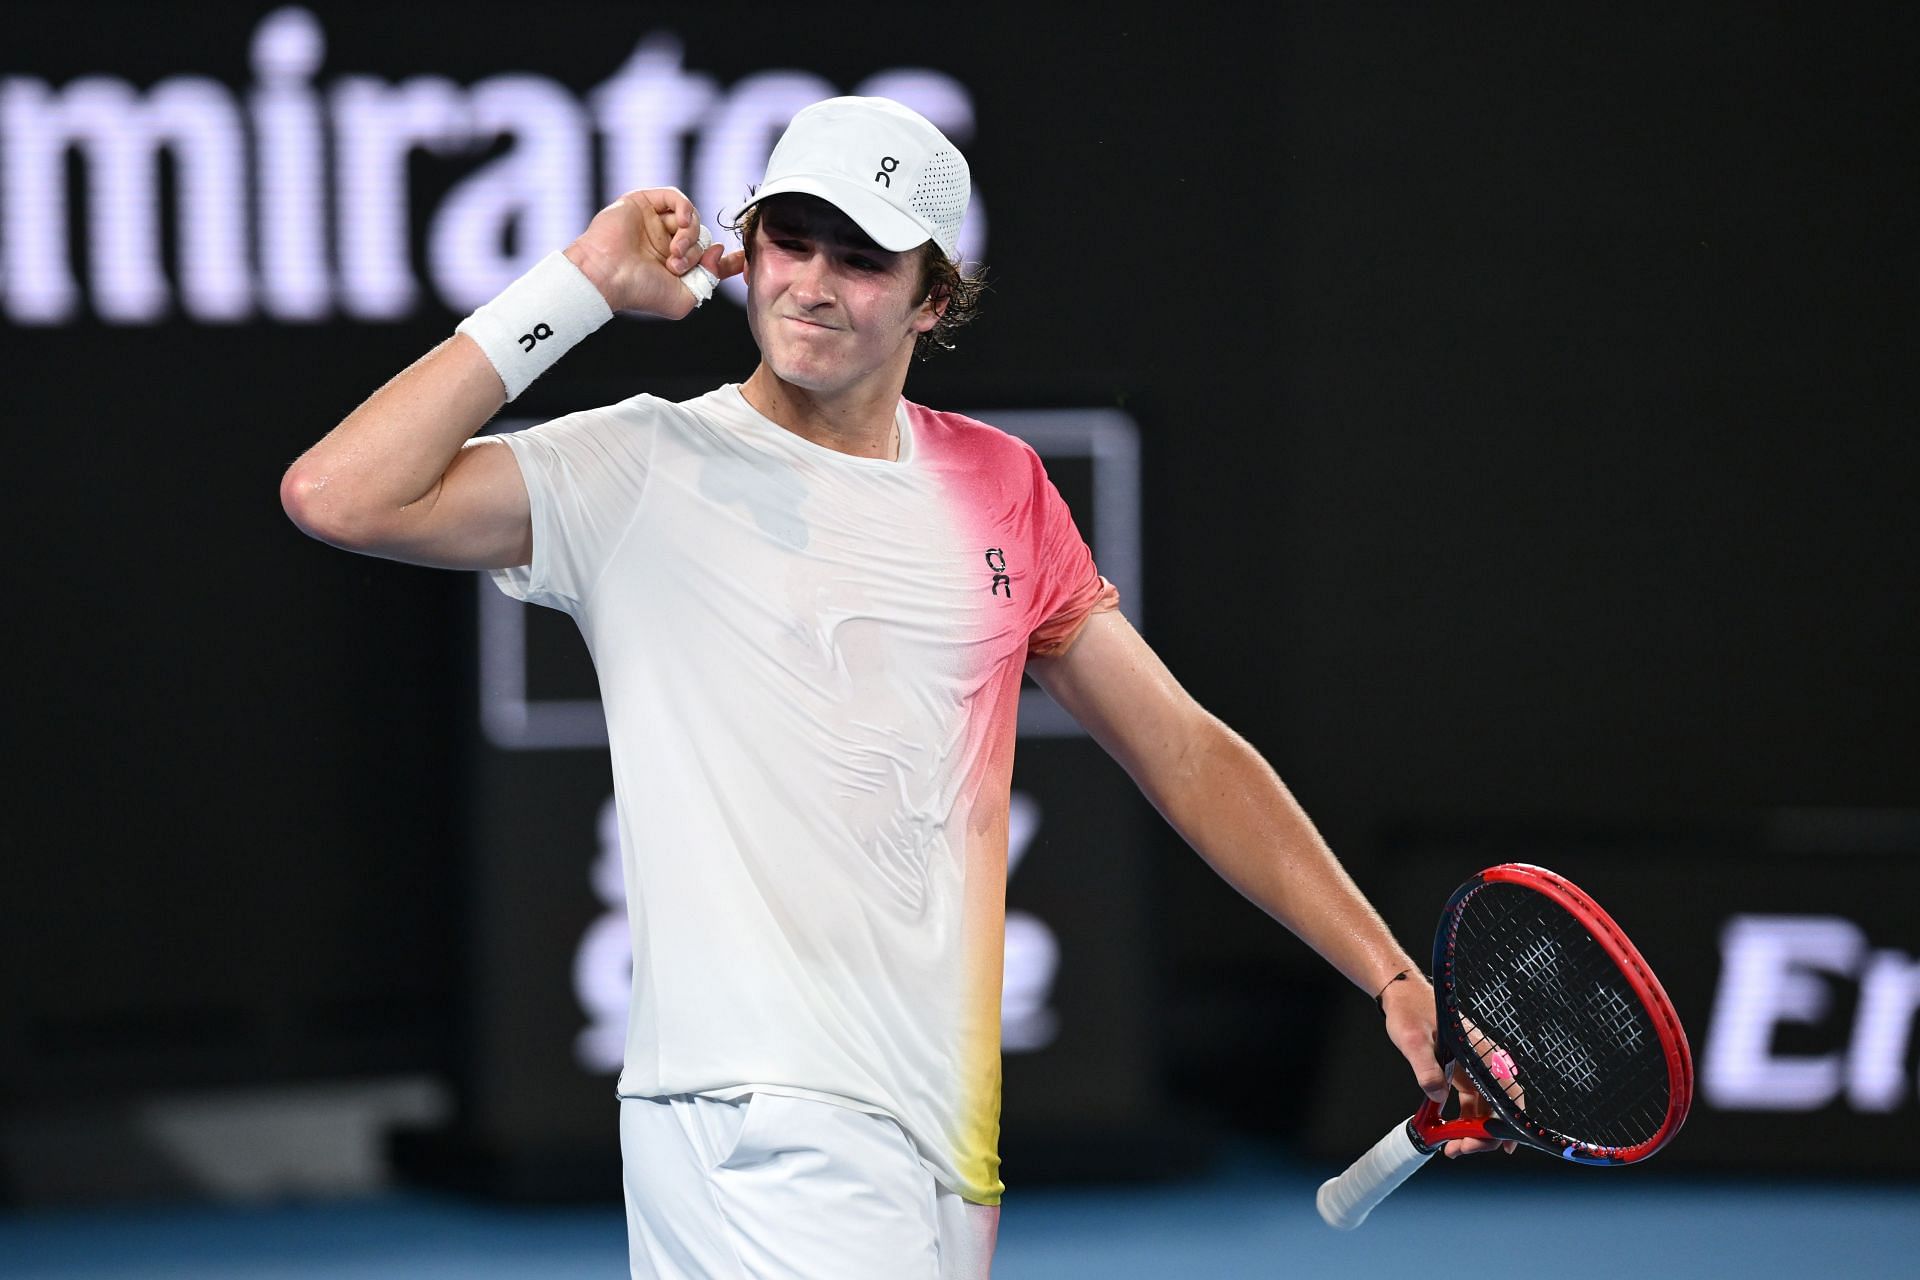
[1230,805]
[1218,793]
[392,479]
[392,452]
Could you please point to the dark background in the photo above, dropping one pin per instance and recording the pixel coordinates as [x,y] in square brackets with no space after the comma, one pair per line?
[1527,408]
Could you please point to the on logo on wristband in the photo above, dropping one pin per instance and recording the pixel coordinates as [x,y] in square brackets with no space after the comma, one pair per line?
[555,288]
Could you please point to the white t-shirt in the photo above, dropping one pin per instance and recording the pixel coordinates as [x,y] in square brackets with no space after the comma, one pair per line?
[810,665]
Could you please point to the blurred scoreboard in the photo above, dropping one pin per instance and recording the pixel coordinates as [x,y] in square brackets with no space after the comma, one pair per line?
[1791,948]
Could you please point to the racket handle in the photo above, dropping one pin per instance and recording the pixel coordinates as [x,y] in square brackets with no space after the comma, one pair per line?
[1344,1202]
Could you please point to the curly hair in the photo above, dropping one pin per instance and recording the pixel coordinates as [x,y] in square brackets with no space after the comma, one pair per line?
[940,278]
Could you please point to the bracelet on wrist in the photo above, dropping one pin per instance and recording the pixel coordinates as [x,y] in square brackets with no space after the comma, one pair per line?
[1380,997]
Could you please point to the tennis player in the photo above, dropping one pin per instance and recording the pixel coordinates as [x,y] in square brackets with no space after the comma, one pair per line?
[810,602]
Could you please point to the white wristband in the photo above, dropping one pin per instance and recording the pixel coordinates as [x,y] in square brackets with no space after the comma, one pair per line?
[536,320]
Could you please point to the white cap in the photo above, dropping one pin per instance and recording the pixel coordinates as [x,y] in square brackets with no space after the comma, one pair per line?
[882,164]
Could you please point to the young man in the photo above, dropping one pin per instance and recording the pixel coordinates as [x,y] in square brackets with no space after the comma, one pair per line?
[810,603]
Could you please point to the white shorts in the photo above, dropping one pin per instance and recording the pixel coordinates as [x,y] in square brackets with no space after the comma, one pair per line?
[768,1187]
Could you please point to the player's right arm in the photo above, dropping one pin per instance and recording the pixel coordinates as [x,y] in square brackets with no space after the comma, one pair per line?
[394,478]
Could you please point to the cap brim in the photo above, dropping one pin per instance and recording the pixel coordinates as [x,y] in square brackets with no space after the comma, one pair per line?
[884,224]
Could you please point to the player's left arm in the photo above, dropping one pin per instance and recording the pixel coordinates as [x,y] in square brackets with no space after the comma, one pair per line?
[1228,803]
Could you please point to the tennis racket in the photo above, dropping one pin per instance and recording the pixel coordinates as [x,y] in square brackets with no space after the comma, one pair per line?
[1555,1019]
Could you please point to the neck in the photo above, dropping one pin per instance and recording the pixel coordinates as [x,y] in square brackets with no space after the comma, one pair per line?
[856,422]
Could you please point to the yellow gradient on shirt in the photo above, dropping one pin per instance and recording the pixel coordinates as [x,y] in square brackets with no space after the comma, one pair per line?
[984,925]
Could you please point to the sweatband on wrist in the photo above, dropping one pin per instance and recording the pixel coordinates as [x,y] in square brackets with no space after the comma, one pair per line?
[536,320]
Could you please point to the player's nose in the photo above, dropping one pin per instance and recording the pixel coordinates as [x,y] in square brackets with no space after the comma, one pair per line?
[813,281]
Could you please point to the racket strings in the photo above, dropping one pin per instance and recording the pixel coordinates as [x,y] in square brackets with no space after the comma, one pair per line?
[1581,1057]
[1570,1053]
[1573,1075]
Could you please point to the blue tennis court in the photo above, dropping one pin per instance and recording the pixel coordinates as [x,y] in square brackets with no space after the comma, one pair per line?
[1252,1216]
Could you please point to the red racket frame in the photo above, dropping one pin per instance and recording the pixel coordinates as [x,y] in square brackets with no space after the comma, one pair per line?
[1427,1127]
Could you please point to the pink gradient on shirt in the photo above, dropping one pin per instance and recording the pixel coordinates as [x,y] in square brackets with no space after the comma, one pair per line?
[1018,529]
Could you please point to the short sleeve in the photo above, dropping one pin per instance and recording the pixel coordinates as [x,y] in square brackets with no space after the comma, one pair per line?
[1075,591]
[585,474]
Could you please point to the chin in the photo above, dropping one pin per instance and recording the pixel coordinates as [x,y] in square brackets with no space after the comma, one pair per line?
[805,374]
[802,376]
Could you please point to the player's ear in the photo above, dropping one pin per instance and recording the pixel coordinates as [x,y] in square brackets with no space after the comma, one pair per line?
[935,278]
[931,308]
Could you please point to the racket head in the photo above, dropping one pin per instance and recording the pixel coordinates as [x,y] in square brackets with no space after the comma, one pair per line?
[1557,1020]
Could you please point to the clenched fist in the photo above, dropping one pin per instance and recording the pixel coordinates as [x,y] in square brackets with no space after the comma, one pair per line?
[636,249]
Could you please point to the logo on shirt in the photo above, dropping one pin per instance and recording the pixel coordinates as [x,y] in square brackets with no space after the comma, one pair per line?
[1002,584]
